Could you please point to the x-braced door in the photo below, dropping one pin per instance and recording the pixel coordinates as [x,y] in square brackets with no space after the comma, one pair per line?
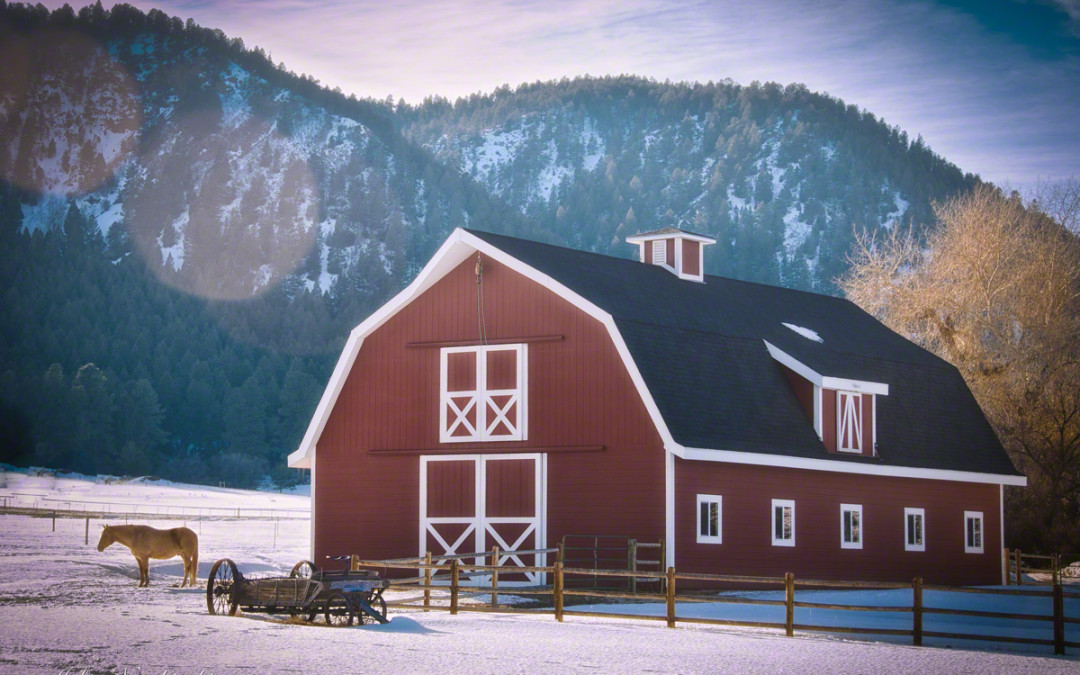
[470,503]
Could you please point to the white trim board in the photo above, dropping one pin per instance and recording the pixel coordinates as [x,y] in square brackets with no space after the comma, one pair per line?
[837,466]
[824,381]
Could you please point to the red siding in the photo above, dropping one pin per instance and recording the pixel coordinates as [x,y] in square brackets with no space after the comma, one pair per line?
[804,391]
[828,419]
[691,258]
[451,489]
[579,395]
[670,244]
[747,547]
[511,488]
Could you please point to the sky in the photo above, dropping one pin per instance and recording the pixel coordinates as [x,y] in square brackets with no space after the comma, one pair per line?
[991,85]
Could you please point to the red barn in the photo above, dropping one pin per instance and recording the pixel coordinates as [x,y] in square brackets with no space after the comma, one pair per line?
[515,392]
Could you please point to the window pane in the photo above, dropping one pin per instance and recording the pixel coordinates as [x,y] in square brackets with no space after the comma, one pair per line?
[778,518]
[847,526]
[703,519]
[714,519]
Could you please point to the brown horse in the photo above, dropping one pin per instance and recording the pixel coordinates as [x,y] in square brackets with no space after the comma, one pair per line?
[148,542]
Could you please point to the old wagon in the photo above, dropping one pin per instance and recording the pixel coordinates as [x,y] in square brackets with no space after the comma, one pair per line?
[340,597]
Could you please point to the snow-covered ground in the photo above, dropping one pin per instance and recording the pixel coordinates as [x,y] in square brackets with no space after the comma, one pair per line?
[64,607]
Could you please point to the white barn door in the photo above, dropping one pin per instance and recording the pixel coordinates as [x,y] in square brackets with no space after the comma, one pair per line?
[470,503]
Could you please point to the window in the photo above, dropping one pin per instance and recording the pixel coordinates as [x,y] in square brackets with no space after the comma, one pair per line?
[783,522]
[850,526]
[710,514]
[482,393]
[973,532]
[849,425]
[914,530]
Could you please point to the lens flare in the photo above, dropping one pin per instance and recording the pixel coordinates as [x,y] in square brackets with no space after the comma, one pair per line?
[69,113]
[224,210]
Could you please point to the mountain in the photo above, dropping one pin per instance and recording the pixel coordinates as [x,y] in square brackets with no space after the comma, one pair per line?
[188,231]
[779,175]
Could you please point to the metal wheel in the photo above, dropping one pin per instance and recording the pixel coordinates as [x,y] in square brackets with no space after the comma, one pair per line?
[303,570]
[376,602]
[221,587]
[338,609]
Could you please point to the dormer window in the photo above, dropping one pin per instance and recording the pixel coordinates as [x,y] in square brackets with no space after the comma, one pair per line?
[675,250]
[842,410]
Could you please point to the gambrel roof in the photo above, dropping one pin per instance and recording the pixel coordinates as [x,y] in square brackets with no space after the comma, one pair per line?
[703,352]
[705,358]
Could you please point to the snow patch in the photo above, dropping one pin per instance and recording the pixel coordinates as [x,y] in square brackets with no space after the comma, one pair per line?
[795,231]
[807,333]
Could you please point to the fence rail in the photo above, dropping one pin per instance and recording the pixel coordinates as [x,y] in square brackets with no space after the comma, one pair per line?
[456,566]
[38,505]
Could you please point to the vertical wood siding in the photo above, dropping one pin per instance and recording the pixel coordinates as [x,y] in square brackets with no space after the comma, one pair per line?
[747,546]
[579,395]
[691,260]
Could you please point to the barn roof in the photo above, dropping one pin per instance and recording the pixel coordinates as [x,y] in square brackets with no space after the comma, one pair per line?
[703,352]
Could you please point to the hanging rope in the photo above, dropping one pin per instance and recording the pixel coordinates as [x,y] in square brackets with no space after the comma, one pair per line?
[480,318]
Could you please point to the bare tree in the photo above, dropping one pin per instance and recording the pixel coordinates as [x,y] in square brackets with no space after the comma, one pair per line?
[995,290]
[1059,199]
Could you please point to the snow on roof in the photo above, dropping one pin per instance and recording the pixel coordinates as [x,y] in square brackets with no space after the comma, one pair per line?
[807,333]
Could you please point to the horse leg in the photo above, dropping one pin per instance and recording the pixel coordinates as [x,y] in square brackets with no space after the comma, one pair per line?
[187,571]
[144,571]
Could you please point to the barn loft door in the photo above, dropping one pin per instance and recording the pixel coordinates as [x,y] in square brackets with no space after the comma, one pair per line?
[470,503]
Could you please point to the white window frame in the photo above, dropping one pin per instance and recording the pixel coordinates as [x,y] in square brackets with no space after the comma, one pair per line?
[969,517]
[857,416]
[921,514]
[481,397]
[718,502]
[844,510]
[783,503]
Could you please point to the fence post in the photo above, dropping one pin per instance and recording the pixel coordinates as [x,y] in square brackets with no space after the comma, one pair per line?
[1008,567]
[671,597]
[916,611]
[453,585]
[354,560]
[86,540]
[1019,568]
[558,591]
[789,604]
[427,580]
[559,555]
[494,577]
[632,554]
[1059,620]
[54,521]
[1055,564]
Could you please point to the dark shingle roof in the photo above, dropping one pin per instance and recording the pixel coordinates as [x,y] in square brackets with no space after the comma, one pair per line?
[700,350]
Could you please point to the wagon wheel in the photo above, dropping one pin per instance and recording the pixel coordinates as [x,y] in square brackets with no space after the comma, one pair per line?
[375,601]
[304,569]
[338,609]
[222,585]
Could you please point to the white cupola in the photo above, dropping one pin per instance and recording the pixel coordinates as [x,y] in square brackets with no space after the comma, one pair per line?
[678,251]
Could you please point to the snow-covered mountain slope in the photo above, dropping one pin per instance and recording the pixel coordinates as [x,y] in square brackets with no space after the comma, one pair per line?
[225,173]
[780,176]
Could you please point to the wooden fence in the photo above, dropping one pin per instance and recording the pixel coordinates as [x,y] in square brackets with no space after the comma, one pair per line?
[1018,563]
[452,568]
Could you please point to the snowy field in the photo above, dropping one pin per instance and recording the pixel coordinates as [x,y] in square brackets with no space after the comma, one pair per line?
[64,607]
